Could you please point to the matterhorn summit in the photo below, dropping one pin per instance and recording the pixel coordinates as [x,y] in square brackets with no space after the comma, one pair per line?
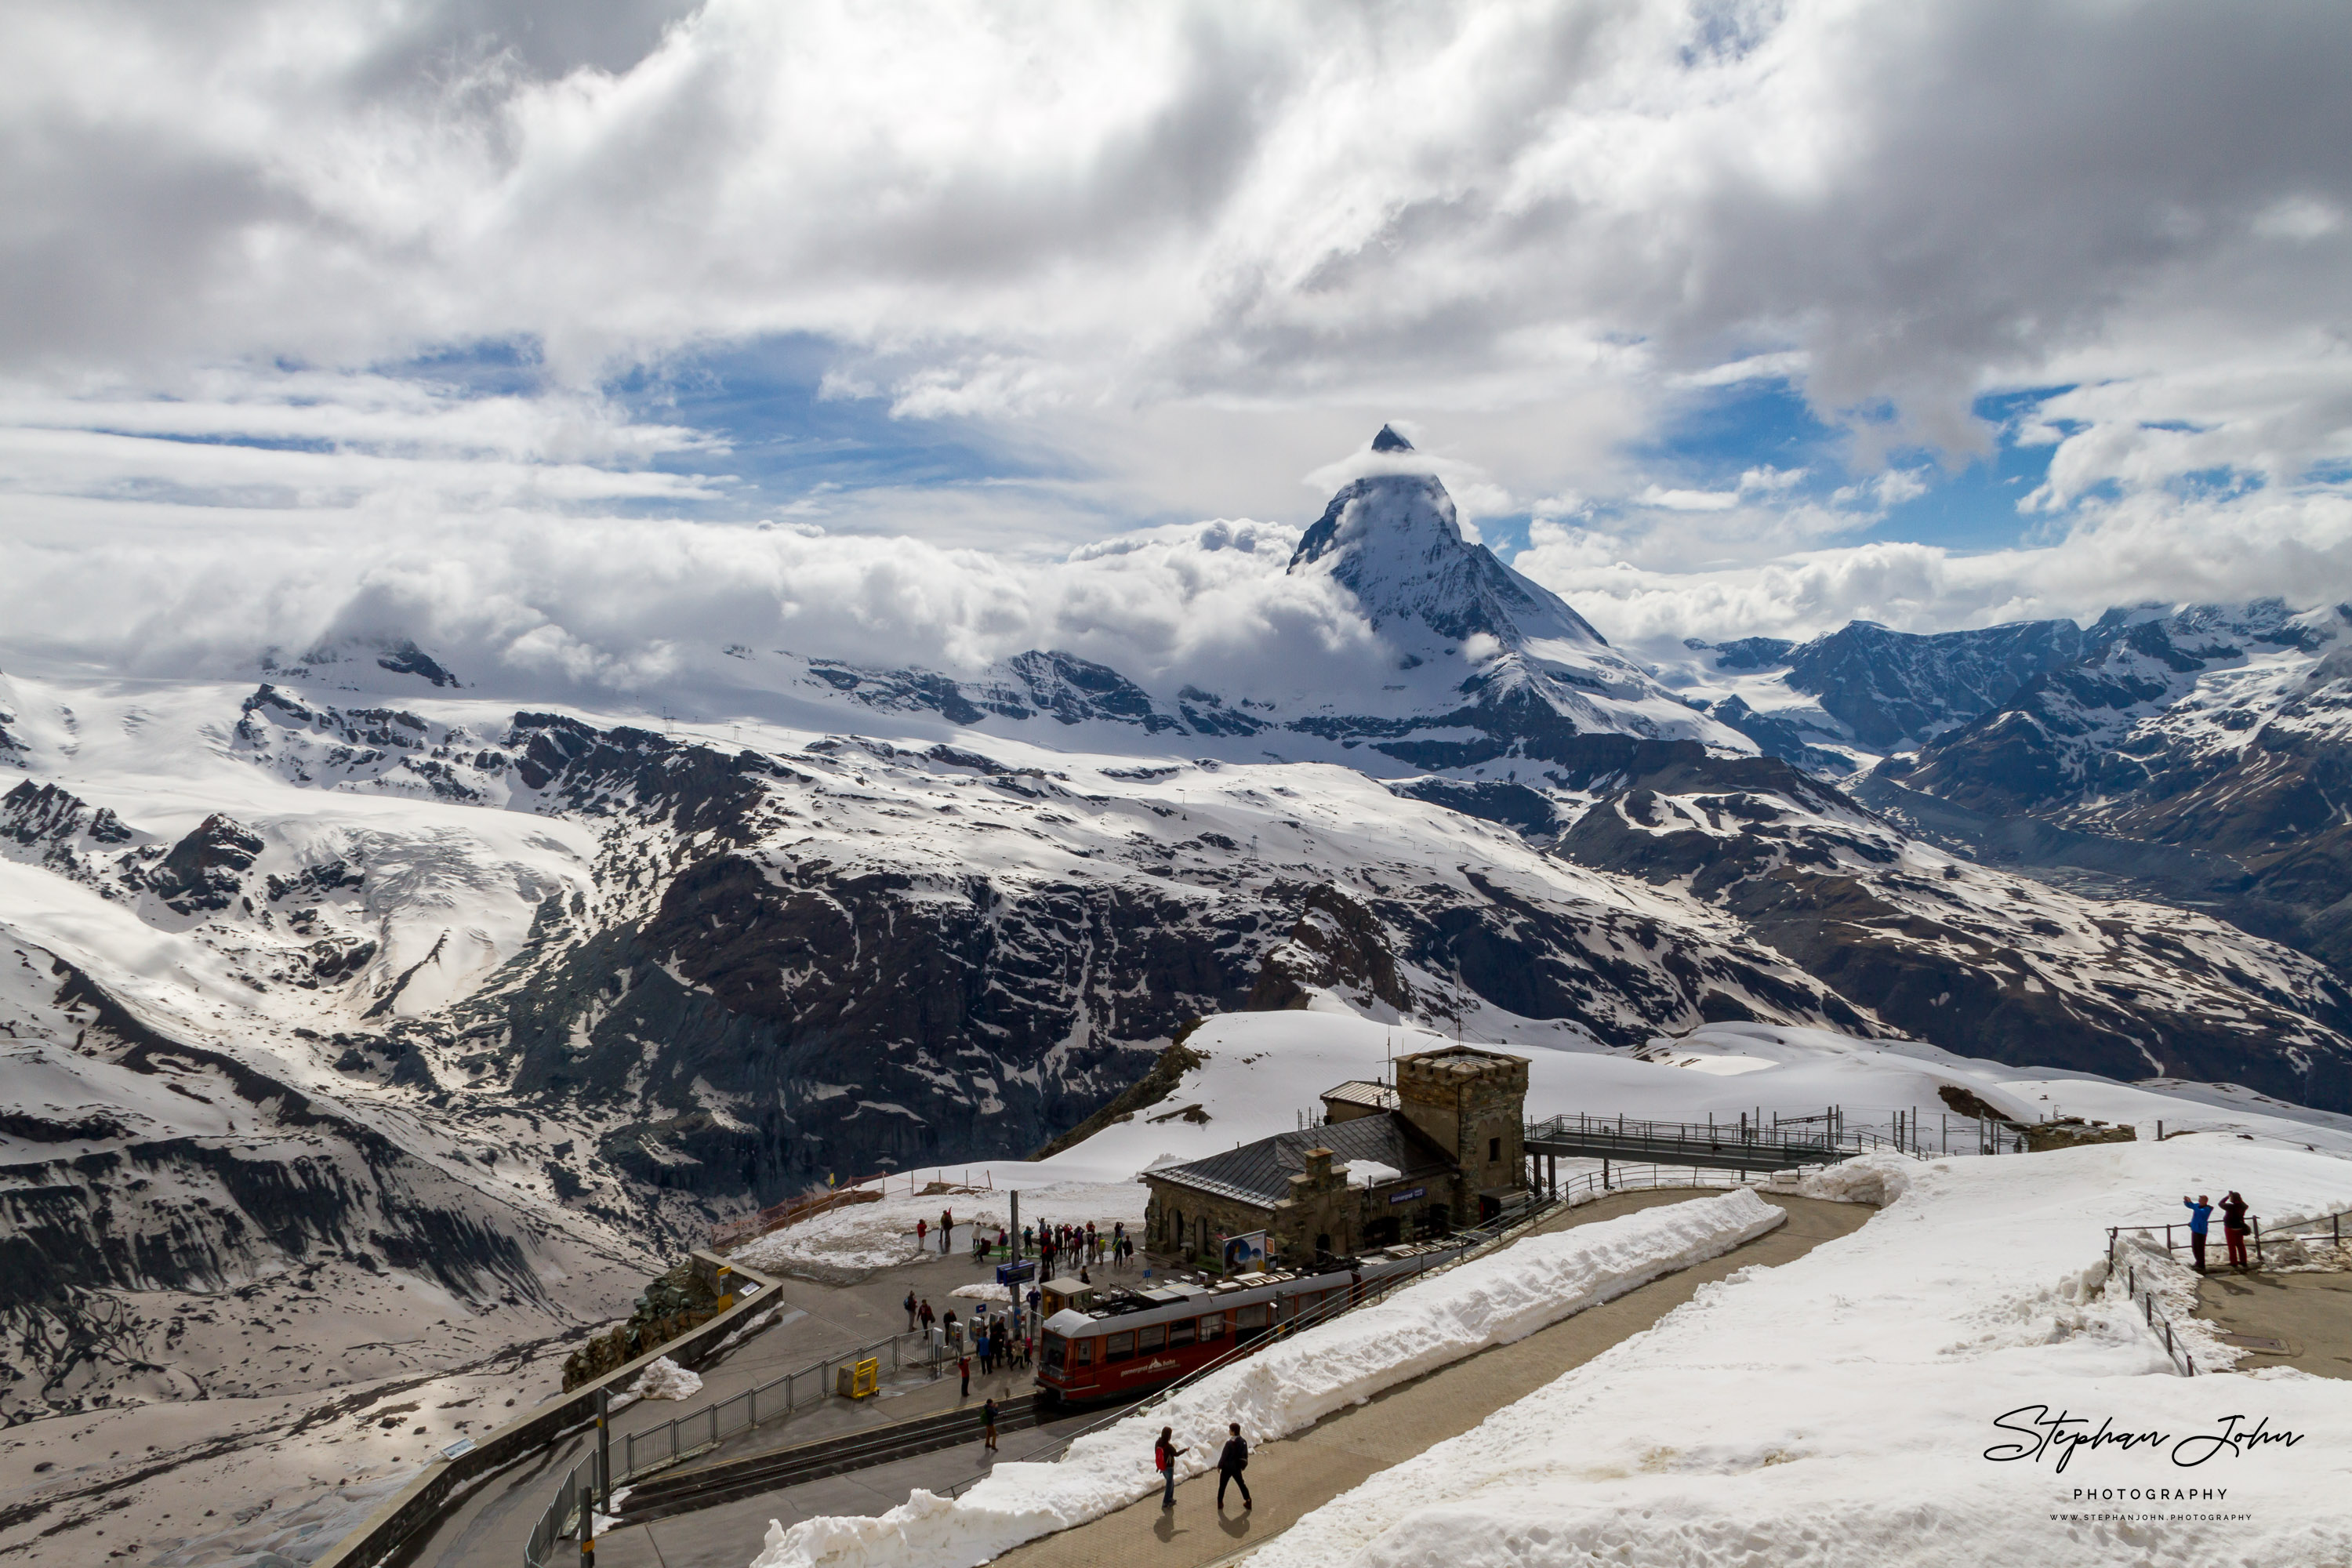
[1392,539]
[1465,623]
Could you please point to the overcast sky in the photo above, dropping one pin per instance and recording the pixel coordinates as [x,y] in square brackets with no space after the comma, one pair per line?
[507,325]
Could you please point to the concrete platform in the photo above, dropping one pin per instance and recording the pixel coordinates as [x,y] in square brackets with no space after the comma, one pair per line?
[2310,1312]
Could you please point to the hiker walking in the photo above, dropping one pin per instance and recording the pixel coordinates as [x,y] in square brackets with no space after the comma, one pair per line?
[923,1234]
[2234,1229]
[926,1315]
[988,1424]
[2200,1215]
[1230,1463]
[1164,1457]
[947,1229]
[963,1370]
[909,1305]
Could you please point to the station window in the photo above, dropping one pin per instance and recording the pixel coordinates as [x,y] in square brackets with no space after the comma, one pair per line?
[1493,1150]
[1181,1332]
[1150,1338]
[1119,1347]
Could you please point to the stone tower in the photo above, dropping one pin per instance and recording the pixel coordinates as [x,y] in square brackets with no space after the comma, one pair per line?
[1473,1102]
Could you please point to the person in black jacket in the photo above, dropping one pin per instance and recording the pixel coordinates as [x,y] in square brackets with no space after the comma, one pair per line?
[1230,1463]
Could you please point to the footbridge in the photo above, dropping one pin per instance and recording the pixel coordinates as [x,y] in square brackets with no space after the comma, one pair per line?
[1737,1145]
[1763,1139]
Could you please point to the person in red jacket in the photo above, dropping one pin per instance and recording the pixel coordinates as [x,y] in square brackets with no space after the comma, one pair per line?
[2234,1229]
[1164,1454]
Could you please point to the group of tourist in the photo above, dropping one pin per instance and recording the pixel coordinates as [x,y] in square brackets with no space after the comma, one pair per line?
[2234,1229]
[1086,1245]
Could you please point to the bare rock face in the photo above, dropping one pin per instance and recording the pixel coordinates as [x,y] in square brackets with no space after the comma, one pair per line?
[205,869]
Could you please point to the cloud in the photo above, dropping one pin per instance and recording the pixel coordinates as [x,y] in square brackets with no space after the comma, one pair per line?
[998,210]
[2142,548]
[1161,259]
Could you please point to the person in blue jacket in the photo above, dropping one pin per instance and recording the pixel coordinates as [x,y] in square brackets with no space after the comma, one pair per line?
[2200,1215]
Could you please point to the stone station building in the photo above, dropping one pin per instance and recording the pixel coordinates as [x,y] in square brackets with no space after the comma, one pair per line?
[1438,1149]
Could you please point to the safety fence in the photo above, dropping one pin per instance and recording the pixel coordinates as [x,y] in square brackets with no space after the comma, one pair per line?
[562,1516]
[778,1399]
[699,1430]
[2157,1324]
[2293,1235]
[1782,1137]
[792,1211]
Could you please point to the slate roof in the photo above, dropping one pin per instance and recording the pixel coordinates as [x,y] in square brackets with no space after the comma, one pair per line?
[1260,1173]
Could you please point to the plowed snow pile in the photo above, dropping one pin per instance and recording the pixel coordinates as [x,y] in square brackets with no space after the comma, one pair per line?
[1840,1410]
[665,1379]
[1491,1301]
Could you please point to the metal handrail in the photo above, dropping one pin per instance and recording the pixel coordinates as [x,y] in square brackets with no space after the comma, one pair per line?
[2155,1321]
[564,1514]
[718,1426]
[1833,1130]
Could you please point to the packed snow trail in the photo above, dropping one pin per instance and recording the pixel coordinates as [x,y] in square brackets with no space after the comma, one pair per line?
[1287,1387]
[1839,1411]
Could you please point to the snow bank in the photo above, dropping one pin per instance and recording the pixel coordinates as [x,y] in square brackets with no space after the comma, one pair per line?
[850,1243]
[1289,1385]
[984,1290]
[1839,1411]
[665,1379]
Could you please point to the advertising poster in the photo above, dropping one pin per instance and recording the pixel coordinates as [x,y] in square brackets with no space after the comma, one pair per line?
[1245,1254]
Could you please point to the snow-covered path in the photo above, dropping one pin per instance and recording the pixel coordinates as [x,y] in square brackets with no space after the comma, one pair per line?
[1843,1410]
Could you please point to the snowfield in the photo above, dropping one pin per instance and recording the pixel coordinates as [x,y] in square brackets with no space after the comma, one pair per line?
[1290,1386]
[1833,1410]
[1262,1073]
[1842,1409]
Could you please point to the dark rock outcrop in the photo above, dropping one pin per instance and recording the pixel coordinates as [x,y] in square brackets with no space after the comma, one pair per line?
[205,869]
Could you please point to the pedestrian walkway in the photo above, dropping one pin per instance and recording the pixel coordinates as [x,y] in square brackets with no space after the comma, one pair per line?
[487,1529]
[2302,1321]
[1300,1473]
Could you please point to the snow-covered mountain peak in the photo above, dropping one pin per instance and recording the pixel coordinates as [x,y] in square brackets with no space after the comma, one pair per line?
[1388,440]
[1395,541]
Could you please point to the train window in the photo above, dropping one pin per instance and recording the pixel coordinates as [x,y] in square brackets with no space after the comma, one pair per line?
[1212,1327]
[1055,1346]
[1181,1332]
[1257,1317]
[1119,1347]
[1150,1338]
[1085,1352]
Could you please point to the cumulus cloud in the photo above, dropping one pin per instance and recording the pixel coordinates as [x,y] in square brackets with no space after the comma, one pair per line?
[1175,254]
[2144,548]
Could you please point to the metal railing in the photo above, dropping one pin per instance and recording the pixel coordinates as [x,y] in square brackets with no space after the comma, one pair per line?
[2157,1324]
[561,1520]
[1834,1132]
[700,1430]
[2177,1233]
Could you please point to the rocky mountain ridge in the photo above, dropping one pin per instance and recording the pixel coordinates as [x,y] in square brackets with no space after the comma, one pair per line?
[571,984]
